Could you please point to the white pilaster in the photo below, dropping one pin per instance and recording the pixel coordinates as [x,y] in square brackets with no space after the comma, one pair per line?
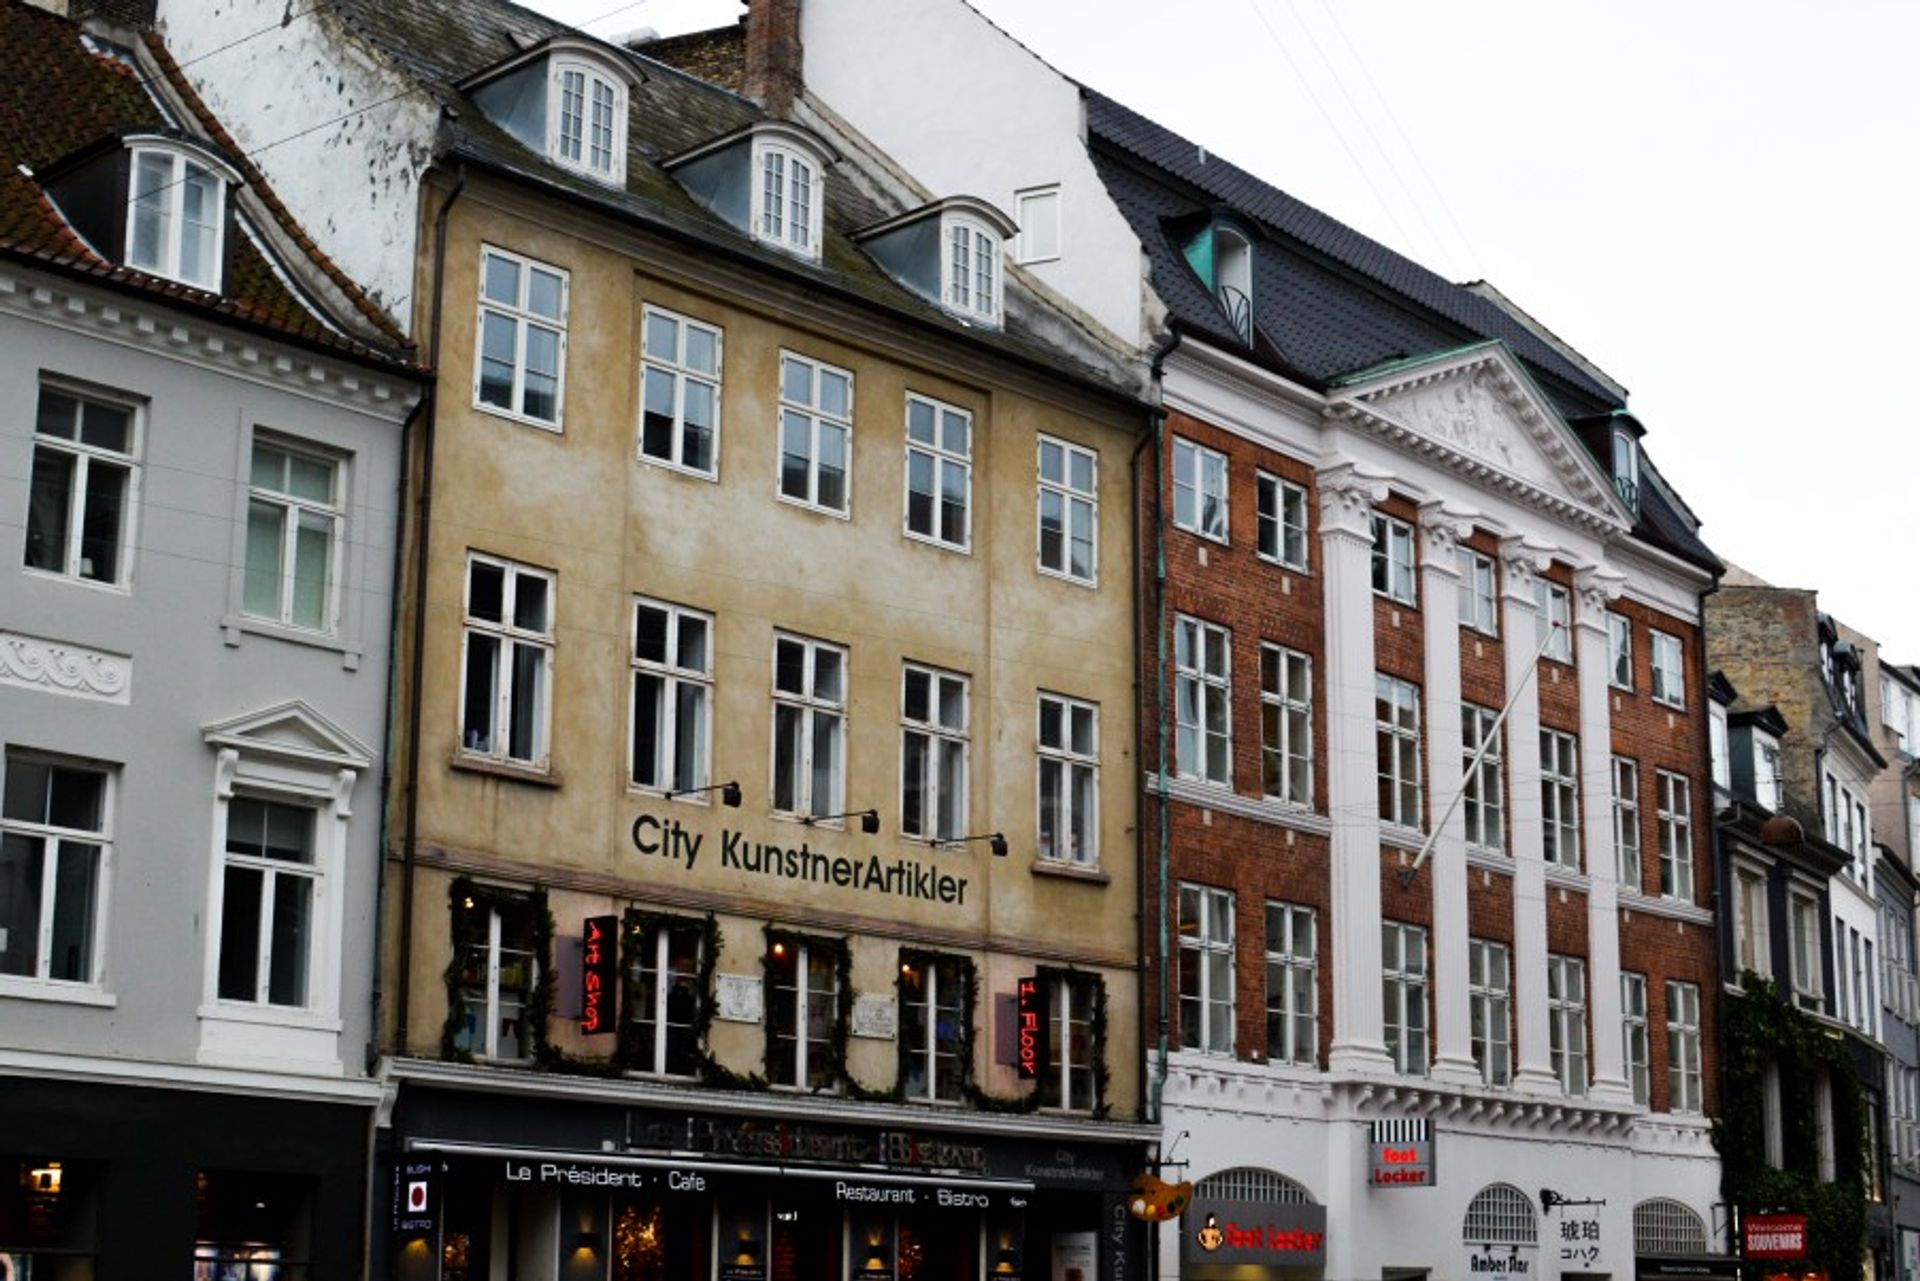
[1594,588]
[1522,563]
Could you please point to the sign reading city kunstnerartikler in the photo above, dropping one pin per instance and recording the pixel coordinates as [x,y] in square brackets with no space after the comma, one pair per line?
[670,839]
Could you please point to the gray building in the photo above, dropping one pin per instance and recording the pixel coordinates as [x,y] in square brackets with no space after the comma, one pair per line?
[201,427]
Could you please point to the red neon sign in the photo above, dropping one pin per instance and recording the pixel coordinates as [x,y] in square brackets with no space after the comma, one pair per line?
[597,975]
[1030,1028]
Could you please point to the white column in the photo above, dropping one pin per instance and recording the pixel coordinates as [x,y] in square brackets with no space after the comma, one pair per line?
[1347,498]
[1441,532]
[1594,588]
[1522,563]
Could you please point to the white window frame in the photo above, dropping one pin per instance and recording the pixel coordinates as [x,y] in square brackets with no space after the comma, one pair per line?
[52,838]
[940,457]
[1490,1005]
[1201,474]
[1674,799]
[522,318]
[1719,747]
[1553,616]
[664,928]
[1484,817]
[84,456]
[961,289]
[682,374]
[1397,746]
[1072,765]
[818,419]
[1479,593]
[1071,499]
[1567,1022]
[1619,649]
[1207,948]
[802,1032]
[778,227]
[1404,990]
[1290,710]
[508,636]
[1025,250]
[1061,987]
[1626,823]
[293,511]
[1633,1031]
[1668,663]
[173,223]
[1281,513]
[1805,950]
[937,735]
[672,676]
[489,1050]
[930,965]
[1395,564]
[1197,683]
[810,707]
[1295,951]
[1560,798]
[271,870]
[1752,931]
[593,78]
[1683,1048]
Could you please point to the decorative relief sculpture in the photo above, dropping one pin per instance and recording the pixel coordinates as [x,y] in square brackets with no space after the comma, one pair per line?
[64,669]
[1465,413]
[737,998]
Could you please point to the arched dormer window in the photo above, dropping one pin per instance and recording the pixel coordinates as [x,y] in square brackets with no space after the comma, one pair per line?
[587,118]
[1222,257]
[971,275]
[787,204]
[949,252]
[176,213]
[767,179]
[1626,468]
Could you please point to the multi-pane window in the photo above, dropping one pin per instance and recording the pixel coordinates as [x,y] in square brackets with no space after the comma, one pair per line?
[55,843]
[1619,651]
[933,1001]
[1553,620]
[1560,798]
[1633,1032]
[1490,1002]
[1286,725]
[1750,923]
[973,270]
[1675,816]
[934,726]
[1069,1082]
[1567,1021]
[1626,822]
[939,472]
[176,213]
[816,433]
[672,696]
[680,392]
[1069,780]
[1282,520]
[1669,669]
[788,203]
[269,889]
[1202,699]
[809,726]
[1479,602]
[1393,559]
[803,1009]
[1293,992]
[497,973]
[1403,992]
[1396,715]
[1481,791]
[1199,489]
[507,668]
[523,337]
[294,517]
[589,128]
[79,502]
[1206,969]
[1069,510]
[662,1002]
[1683,1047]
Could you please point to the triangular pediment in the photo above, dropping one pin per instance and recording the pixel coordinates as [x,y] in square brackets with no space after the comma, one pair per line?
[1478,410]
[291,729]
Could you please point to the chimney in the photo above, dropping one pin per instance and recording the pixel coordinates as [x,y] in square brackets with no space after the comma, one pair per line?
[773,71]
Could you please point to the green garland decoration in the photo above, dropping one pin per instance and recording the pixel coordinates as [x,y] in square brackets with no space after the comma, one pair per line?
[1760,1027]
[469,903]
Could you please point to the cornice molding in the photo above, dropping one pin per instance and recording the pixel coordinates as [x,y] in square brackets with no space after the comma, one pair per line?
[1652,905]
[1208,796]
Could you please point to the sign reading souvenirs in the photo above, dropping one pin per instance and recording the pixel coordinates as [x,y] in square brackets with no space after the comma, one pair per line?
[1229,1232]
[672,840]
[598,972]
[1401,1154]
[1030,1028]
[1774,1236]
[413,1198]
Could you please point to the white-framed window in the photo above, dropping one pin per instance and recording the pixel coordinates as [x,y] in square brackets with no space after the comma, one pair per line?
[1479,595]
[1199,490]
[970,269]
[1626,469]
[787,200]
[1069,1082]
[1718,748]
[295,514]
[809,727]
[1675,815]
[1567,1021]
[672,697]
[1393,562]
[497,975]
[587,112]
[1633,1031]
[85,477]
[520,357]
[1286,725]
[1823,1125]
[939,472]
[1396,733]
[269,901]
[1206,969]
[663,997]
[1751,923]
[1038,212]
[1626,822]
[176,217]
[1499,1214]
[934,727]
[1766,777]
[816,434]
[1841,972]
[1683,1047]
[803,1011]
[1403,960]
[1293,985]
[1203,701]
[1560,798]
[1282,520]
[1490,1002]
[933,1001]
[680,392]
[1068,783]
[1553,619]
[1481,788]
[1619,651]
[1068,508]
[1669,669]
[56,854]
[507,661]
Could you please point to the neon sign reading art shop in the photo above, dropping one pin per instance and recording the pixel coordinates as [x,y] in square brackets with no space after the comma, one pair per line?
[904,877]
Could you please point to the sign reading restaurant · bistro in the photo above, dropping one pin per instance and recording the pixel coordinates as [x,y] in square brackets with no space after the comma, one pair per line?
[909,878]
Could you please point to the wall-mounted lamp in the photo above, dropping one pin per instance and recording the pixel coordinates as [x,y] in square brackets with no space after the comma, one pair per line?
[587,1243]
[995,842]
[729,793]
[869,819]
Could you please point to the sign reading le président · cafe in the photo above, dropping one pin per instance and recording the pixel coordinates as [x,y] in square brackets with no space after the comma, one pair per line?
[909,878]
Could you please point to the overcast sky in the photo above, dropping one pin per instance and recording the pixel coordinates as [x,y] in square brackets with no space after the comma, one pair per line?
[1714,201]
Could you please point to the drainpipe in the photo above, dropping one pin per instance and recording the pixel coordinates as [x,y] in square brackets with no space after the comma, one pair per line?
[1140,720]
[1160,720]
[423,530]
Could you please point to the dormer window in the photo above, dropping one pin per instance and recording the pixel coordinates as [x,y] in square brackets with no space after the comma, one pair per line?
[1626,468]
[1223,258]
[787,202]
[176,212]
[768,180]
[589,122]
[972,277]
[949,253]
[565,98]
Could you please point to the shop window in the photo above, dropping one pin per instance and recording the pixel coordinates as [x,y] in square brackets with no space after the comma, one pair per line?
[802,1012]
[498,965]
[871,1245]
[251,1224]
[934,997]
[1247,1183]
[47,1218]
[742,1227]
[1073,1000]
[663,996]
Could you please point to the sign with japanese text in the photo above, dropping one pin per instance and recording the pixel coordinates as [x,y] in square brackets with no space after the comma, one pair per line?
[599,968]
[1577,1237]
[1774,1236]
[1401,1154]
[1030,1028]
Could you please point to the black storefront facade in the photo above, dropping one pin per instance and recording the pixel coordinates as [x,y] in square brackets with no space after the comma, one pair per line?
[545,1179]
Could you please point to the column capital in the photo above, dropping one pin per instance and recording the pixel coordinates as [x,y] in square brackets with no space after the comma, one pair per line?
[1597,586]
[1443,527]
[1348,495]
[1525,560]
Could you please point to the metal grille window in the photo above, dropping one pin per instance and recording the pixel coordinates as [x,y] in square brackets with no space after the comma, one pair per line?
[1567,1021]
[809,726]
[1667,1227]
[56,844]
[1069,510]
[933,1001]
[672,692]
[1619,651]
[1490,996]
[803,1012]
[1669,669]
[1675,816]
[933,753]
[1403,956]
[1633,1031]
[1626,823]
[1200,490]
[495,980]
[1683,1047]
[1479,607]
[1282,519]
[816,434]
[1481,797]
[1069,780]
[520,364]
[80,499]
[939,472]
[1553,620]
[1396,712]
[1203,701]
[1293,993]
[1500,1214]
[507,667]
[680,392]
[1244,1183]
[1286,725]
[663,996]
[293,535]
[1560,798]
[1206,969]
[1393,559]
